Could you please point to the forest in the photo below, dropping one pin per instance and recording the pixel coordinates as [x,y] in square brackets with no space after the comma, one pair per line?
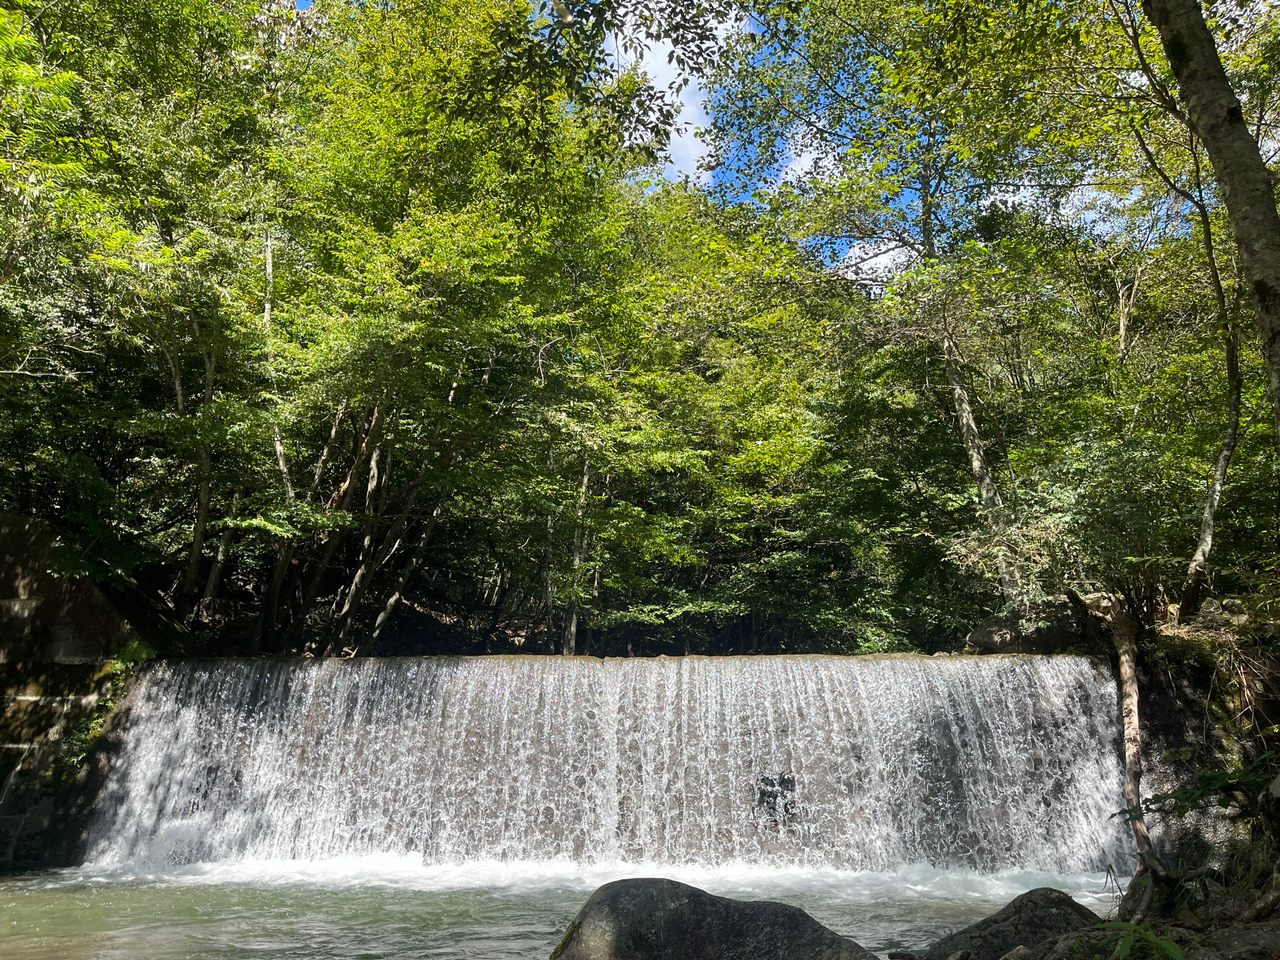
[376,327]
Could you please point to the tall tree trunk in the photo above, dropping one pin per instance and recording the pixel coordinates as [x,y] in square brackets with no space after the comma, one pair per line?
[570,646]
[988,493]
[187,592]
[224,546]
[364,567]
[338,501]
[271,602]
[370,562]
[1197,570]
[1125,634]
[1242,175]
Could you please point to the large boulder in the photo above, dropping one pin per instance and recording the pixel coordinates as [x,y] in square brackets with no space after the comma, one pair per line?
[1027,921]
[652,919]
[1081,945]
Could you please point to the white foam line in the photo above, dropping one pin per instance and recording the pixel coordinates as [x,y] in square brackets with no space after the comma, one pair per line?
[747,881]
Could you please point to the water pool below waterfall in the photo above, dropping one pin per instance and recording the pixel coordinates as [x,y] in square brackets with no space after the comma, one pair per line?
[396,908]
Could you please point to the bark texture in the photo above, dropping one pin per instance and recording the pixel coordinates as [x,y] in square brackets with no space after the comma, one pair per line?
[1242,176]
[570,646]
[988,493]
[1125,632]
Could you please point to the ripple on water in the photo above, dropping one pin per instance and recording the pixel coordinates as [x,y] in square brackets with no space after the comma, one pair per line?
[394,907]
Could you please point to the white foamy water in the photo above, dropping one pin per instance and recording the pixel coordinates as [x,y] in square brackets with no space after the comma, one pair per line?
[855,765]
[914,882]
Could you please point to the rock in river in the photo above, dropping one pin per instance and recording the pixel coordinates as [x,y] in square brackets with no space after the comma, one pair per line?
[1025,921]
[651,919]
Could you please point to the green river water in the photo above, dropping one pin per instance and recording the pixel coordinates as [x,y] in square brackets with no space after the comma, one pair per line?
[378,908]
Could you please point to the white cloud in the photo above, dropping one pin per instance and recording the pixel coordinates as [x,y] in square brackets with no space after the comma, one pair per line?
[875,263]
[686,148]
[800,166]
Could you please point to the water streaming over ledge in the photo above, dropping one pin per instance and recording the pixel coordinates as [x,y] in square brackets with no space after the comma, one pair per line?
[865,763]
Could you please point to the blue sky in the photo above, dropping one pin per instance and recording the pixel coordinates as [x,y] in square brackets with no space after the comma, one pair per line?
[686,149]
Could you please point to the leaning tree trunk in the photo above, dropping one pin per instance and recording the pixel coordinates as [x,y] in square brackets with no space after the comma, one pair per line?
[1242,175]
[396,597]
[364,567]
[338,501]
[992,504]
[190,577]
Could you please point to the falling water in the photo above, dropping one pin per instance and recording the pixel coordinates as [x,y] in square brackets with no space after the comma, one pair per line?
[852,763]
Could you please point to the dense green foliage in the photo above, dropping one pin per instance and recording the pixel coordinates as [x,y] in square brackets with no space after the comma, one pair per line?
[366,328]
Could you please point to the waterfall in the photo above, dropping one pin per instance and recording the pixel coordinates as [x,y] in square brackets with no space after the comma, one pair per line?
[857,763]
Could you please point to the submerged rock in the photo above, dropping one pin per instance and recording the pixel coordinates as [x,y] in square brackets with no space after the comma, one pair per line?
[653,919]
[1027,921]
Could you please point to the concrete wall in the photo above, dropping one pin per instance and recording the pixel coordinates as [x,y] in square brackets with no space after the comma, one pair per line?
[47,714]
[45,618]
[57,637]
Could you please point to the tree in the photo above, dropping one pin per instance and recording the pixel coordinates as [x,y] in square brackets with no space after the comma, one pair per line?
[1245,182]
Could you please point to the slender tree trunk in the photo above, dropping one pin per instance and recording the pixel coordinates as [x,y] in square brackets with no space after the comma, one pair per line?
[282,462]
[364,568]
[267,303]
[397,592]
[1197,570]
[368,568]
[338,501]
[409,497]
[342,496]
[570,646]
[224,546]
[187,595]
[187,592]
[271,602]
[186,586]
[500,594]
[284,556]
[328,449]
[1125,634]
[988,493]
[1242,175]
